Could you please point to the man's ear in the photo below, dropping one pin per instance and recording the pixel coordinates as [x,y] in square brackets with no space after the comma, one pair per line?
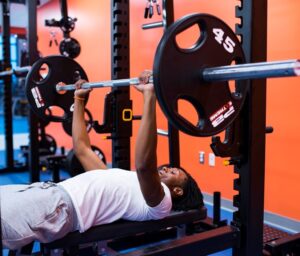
[177,191]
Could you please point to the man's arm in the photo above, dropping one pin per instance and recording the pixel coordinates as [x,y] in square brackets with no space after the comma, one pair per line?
[81,142]
[145,149]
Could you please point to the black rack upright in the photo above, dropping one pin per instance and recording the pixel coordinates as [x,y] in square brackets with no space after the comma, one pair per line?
[250,198]
[33,161]
[173,133]
[120,68]
[7,109]
[8,116]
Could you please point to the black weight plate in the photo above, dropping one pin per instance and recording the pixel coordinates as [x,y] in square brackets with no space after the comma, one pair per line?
[99,153]
[67,126]
[42,94]
[177,75]
[70,47]
[42,123]
[73,165]
[47,144]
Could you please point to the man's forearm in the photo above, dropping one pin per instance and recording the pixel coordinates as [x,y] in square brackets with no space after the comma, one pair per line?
[145,152]
[79,133]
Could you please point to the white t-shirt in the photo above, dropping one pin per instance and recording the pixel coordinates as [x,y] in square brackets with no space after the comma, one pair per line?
[104,196]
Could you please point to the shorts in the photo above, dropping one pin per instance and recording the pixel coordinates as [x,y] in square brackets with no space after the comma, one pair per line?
[42,211]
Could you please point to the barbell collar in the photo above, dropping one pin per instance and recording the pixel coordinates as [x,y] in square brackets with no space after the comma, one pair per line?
[252,71]
[102,84]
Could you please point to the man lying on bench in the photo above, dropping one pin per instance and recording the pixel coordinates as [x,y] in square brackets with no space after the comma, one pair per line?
[46,211]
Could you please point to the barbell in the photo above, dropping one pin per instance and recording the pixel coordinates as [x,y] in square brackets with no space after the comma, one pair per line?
[17,71]
[198,74]
[216,74]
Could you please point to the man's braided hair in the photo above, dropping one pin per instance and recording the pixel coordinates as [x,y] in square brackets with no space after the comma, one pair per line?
[192,197]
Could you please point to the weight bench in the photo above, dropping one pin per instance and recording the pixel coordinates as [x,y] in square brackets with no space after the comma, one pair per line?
[122,228]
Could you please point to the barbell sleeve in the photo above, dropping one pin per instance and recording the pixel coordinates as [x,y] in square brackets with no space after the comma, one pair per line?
[252,71]
[18,71]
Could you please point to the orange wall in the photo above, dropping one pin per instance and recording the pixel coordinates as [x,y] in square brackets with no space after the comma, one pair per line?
[93,32]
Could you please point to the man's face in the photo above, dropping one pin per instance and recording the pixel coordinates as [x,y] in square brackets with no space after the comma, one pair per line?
[172,176]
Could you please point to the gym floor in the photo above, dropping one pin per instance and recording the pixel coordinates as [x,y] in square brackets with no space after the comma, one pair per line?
[20,131]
